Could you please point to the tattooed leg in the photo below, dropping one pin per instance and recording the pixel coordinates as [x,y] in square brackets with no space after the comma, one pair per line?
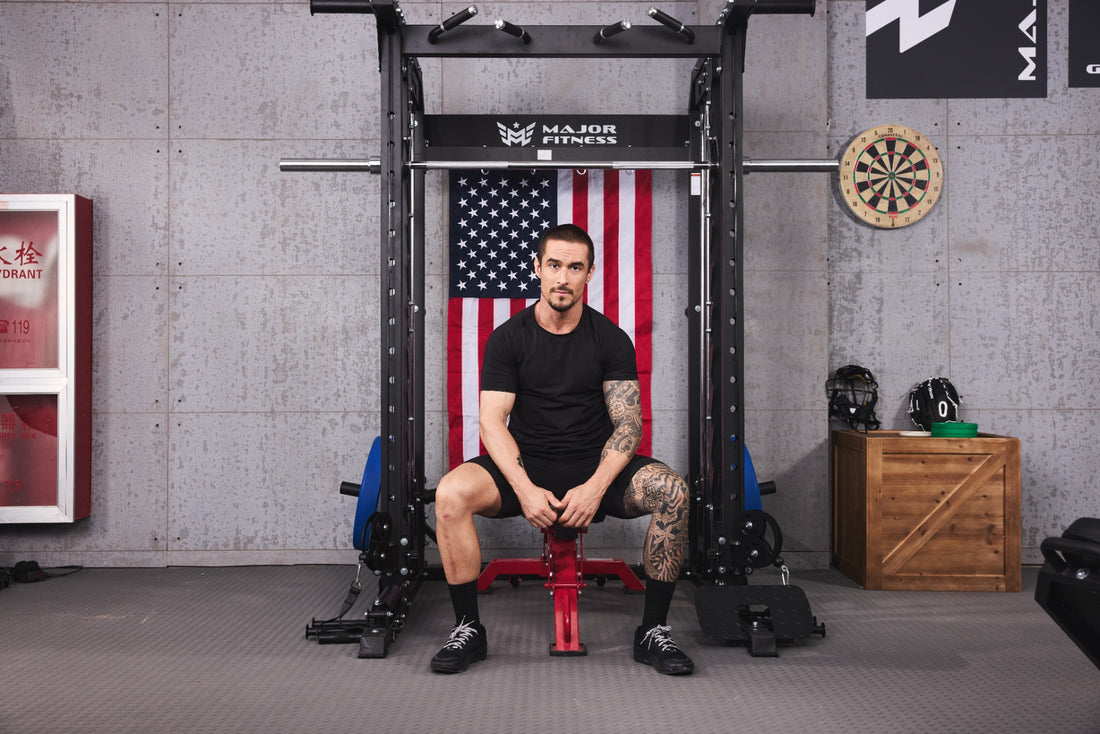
[661,493]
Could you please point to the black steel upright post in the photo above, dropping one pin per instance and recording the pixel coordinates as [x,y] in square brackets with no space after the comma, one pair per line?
[729,295]
[701,314]
[411,542]
[402,340]
[716,334]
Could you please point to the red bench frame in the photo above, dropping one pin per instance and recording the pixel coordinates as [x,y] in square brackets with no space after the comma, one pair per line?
[564,567]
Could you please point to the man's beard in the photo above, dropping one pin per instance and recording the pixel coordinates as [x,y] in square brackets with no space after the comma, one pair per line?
[560,307]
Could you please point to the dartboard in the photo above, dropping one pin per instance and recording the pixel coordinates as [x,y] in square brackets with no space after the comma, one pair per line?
[890,176]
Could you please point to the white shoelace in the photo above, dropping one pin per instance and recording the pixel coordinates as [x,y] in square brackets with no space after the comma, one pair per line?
[461,635]
[661,637]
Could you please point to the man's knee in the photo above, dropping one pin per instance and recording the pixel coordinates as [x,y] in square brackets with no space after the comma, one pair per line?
[660,490]
[465,490]
[452,496]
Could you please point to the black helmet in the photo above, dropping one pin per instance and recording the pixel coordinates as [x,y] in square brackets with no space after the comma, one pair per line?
[933,401]
[853,392]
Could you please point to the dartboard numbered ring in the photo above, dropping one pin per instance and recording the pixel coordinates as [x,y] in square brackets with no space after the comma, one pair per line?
[890,176]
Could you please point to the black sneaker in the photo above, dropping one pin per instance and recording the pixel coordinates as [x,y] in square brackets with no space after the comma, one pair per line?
[655,647]
[467,644]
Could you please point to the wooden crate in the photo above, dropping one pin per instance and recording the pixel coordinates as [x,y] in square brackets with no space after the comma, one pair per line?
[936,514]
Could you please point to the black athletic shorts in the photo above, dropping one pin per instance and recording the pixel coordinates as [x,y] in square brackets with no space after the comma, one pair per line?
[559,477]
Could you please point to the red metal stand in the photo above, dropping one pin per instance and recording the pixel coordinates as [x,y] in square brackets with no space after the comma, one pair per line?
[564,567]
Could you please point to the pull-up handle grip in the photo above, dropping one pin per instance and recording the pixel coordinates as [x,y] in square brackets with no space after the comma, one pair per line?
[612,30]
[513,30]
[667,20]
[454,21]
[784,7]
[341,6]
[738,11]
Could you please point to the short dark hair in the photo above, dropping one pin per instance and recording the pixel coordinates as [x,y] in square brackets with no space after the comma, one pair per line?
[567,233]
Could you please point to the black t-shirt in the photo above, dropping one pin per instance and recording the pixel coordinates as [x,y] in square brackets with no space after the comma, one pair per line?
[558,379]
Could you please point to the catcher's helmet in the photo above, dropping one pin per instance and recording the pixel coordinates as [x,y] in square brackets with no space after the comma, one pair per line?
[853,392]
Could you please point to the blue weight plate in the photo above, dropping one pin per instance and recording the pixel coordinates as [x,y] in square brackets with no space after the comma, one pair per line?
[368,496]
[752,486]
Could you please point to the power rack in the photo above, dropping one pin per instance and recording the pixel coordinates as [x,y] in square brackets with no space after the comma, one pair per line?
[726,541]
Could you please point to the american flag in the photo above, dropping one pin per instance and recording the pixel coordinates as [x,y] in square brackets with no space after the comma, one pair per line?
[496,218]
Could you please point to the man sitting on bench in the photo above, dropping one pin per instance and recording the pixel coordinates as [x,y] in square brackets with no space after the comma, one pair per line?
[560,417]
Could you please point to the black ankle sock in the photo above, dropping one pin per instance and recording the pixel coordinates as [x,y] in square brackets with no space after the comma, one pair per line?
[658,598]
[464,601]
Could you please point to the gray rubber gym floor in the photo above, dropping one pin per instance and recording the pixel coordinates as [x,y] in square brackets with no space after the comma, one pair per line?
[224,650]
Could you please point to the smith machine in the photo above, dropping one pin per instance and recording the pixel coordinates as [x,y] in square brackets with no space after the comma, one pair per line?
[727,542]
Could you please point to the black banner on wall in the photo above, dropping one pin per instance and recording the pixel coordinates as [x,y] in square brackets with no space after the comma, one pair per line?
[1084,43]
[956,48]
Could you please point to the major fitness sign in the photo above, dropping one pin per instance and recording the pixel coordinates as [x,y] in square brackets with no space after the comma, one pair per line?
[556,131]
[956,48]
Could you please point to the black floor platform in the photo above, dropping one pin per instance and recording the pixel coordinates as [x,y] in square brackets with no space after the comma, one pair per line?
[224,650]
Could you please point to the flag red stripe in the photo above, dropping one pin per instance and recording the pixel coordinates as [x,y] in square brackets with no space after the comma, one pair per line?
[454,378]
[580,200]
[610,263]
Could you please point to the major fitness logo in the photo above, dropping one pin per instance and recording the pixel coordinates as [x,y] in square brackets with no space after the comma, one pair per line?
[516,135]
[558,134]
[956,48]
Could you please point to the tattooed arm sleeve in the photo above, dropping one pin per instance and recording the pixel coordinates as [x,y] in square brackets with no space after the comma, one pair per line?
[624,405]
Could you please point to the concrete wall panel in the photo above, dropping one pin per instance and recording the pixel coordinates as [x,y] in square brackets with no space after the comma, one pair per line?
[264,482]
[1023,203]
[130,345]
[83,71]
[283,343]
[236,213]
[271,71]
[1026,340]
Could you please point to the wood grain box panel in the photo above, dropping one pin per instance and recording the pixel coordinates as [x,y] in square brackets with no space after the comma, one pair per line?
[934,514]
